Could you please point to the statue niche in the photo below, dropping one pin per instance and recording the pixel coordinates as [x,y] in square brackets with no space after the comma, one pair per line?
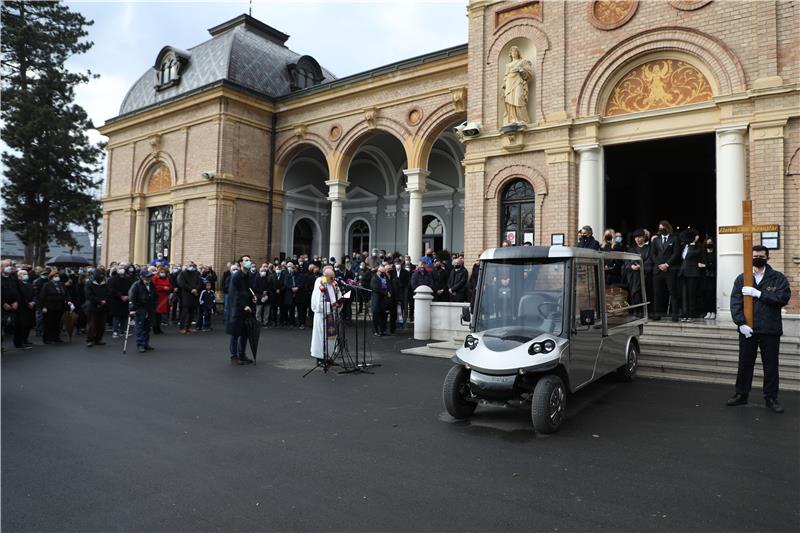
[518,74]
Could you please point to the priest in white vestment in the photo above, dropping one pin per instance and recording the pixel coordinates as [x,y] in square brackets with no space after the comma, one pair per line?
[325,304]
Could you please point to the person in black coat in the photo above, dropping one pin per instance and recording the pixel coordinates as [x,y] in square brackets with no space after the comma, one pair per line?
[276,309]
[26,314]
[380,301]
[302,297]
[53,302]
[708,266]
[291,287]
[142,300]
[263,285]
[586,239]
[440,279]
[175,301]
[770,293]
[632,271]
[613,269]
[189,286]
[689,276]
[457,282]
[97,298]
[666,258]
[10,295]
[118,289]
[242,304]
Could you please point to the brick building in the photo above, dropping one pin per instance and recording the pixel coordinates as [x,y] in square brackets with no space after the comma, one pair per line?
[637,111]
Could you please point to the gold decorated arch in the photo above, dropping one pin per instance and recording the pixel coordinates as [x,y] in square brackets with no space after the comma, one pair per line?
[658,84]
[159,180]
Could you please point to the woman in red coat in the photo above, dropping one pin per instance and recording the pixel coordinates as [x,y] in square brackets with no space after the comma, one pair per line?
[163,290]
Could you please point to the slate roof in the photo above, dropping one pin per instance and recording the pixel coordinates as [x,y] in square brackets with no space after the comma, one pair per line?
[12,247]
[243,50]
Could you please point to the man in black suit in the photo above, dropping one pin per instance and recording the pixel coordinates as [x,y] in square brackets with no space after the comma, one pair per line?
[666,258]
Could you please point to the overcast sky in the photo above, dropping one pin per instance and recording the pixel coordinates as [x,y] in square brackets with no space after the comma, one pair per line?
[345,37]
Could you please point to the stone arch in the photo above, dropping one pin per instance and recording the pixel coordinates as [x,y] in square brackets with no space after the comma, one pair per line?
[291,146]
[285,158]
[710,55]
[434,125]
[352,140]
[316,230]
[511,172]
[149,165]
[541,43]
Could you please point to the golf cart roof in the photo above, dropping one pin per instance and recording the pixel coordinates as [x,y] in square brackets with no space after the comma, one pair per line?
[551,252]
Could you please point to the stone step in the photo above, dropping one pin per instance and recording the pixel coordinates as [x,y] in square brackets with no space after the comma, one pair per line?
[427,351]
[787,377]
[690,345]
[729,359]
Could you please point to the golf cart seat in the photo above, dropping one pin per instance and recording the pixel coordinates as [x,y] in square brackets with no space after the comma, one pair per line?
[529,309]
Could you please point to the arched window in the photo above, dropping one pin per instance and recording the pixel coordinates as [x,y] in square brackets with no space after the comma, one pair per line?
[516,213]
[359,236]
[432,233]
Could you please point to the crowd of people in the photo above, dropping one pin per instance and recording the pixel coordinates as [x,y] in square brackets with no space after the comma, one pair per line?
[679,269]
[680,277]
[50,301]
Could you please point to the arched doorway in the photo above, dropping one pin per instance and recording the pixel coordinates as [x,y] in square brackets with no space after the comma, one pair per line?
[432,233]
[359,236]
[303,238]
[517,210]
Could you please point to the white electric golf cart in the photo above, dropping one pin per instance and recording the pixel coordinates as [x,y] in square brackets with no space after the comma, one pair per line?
[545,323]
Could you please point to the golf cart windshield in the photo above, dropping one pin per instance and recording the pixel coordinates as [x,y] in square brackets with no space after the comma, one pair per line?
[519,300]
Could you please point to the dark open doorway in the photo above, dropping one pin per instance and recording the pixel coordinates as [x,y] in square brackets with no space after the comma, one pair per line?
[672,179]
[303,237]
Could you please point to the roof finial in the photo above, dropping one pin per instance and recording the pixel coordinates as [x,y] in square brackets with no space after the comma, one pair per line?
[251,8]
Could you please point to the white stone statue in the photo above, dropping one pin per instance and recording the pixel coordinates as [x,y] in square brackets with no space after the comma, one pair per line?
[519,72]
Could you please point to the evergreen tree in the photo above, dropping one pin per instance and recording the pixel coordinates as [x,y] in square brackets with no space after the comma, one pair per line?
[51,167]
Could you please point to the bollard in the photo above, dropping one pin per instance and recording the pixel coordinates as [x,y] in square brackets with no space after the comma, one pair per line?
[423,297]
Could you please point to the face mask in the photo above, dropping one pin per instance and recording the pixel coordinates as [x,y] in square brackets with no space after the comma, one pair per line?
[247,264]
[176,270]
[7,270]
[263,274]
[608,238]
[131,270]
[162,275]
[618,240]
[234,270]
[190,269]
[81,271]
[278,270]
[120,271]
[289,270]
[57,279]
[25,278]
[759,262]
[662,231]
[99,277]
[374,254]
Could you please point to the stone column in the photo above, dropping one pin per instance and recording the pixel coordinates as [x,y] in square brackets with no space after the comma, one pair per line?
[423,297]
[415,185]
[730,193]
[591,189]
[140,237]
[176,241]
[336,194]
[104,238]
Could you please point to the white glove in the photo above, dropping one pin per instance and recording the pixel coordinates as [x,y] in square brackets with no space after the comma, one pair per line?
[746,330]
[751,291]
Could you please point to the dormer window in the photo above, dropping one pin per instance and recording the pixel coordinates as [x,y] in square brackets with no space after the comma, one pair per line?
[305,73]
[168,67]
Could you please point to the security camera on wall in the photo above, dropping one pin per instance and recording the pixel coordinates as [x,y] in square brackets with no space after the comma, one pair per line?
[209,175]
[467,129]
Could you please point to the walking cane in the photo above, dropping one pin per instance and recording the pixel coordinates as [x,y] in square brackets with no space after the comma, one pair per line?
[127,332]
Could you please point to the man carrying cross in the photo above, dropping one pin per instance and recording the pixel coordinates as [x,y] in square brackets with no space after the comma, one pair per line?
[769,293]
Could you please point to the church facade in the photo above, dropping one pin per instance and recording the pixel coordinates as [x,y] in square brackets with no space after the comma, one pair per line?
[607,113]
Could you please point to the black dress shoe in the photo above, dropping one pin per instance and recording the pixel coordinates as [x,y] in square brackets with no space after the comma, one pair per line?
[149,348]
[738,399]
[245,360]
[774,405]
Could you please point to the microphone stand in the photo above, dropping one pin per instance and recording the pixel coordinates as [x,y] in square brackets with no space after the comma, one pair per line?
[327,357]
[362,365]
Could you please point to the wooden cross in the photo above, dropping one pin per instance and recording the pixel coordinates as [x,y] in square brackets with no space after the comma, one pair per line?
[747,229]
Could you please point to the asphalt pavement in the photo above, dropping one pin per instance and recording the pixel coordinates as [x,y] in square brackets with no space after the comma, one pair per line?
[180,440]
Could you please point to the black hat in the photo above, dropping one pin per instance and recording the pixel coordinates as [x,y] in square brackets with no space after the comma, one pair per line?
[688,235]
[637,233]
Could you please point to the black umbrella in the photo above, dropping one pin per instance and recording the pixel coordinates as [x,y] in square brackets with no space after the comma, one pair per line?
[68,260]
[253,327]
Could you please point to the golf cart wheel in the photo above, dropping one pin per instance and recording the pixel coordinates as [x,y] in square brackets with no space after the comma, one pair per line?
[549,404]
[628,371]
[455,393]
